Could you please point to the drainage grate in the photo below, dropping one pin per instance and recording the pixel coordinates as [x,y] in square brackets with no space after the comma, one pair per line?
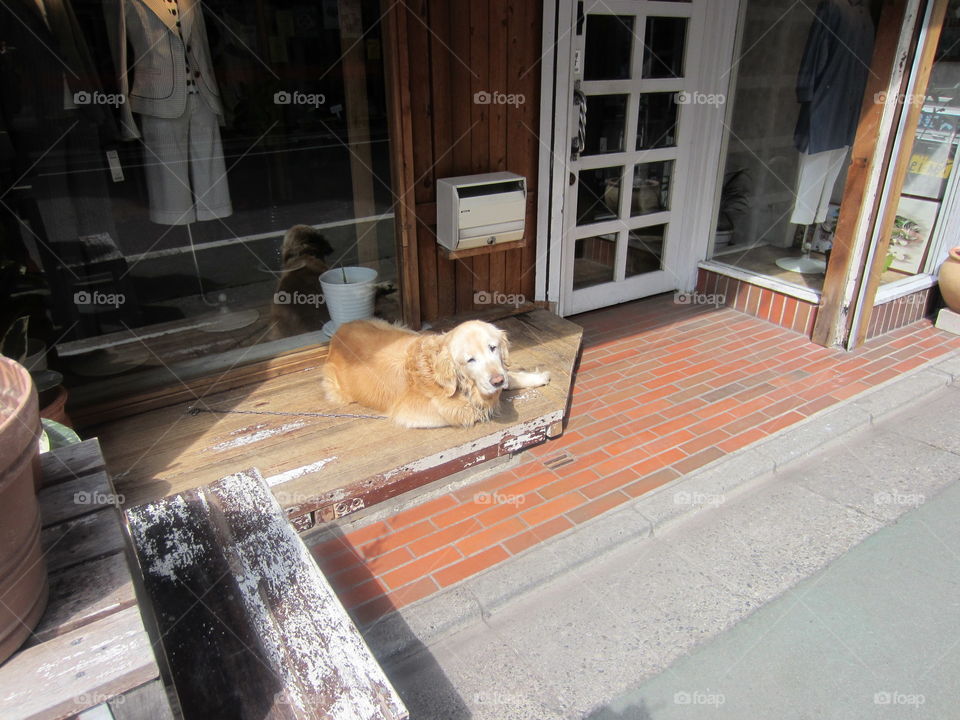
[560,460]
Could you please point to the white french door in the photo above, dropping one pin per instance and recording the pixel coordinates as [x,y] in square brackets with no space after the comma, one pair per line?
[631,116]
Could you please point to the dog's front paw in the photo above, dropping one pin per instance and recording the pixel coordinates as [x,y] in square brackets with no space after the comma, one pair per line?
[520,380]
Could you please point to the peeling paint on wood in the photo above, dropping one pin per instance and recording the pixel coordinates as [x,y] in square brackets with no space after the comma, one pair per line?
[291,650]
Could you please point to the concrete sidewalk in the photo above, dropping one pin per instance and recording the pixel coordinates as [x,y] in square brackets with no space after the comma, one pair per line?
[826,588]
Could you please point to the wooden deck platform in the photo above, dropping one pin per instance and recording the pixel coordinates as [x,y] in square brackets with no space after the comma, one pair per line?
[90,649]
[322,468]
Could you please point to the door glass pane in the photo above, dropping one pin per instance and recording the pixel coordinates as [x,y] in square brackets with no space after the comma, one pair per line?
[594,259]
[657,121]
[645,250]
[598,195]
[608,44]
[651,187]
[606,123]
[663,46]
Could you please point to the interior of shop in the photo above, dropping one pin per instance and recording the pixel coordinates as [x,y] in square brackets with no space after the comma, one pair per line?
[785,167]
[149,212]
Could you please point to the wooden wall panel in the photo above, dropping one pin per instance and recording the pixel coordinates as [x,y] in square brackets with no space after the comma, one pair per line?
[456,50]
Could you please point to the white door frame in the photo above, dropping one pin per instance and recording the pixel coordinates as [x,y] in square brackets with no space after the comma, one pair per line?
[694,206]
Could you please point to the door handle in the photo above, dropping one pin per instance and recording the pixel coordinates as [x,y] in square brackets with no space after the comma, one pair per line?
[580,141]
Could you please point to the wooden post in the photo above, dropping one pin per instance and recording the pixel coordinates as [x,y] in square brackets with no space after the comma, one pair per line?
[397,65]
[869,162]
[888,214]
[358,129]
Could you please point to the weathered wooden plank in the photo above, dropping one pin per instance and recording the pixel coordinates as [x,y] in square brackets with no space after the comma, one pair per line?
[78,670]
[70,462]
[72,498]
[249,623]
[84,538]
[148,701]
[83,594]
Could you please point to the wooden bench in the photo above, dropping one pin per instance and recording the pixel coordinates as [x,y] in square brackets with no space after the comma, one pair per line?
[90,652]
[249,625]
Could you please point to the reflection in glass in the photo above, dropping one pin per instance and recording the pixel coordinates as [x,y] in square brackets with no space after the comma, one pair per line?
[608,45]
[606,123]
[645,250]
[657,121]
[594,259]
[651,187]
[663,47]
[598,195]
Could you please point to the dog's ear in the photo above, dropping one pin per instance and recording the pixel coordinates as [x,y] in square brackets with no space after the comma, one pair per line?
[504,343]
[321,247]
[445,371]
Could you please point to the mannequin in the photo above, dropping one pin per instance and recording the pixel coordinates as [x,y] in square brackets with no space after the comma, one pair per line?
[174,91]
[830,84]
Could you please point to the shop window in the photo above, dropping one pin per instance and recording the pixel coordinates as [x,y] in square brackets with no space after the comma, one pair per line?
[791,118]
[152,161]
[918,228]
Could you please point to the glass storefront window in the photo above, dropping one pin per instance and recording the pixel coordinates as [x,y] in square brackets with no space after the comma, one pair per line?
[792,114]
[155,155]
[932,150]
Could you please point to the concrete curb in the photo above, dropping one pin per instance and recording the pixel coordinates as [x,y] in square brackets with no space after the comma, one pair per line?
[478,597]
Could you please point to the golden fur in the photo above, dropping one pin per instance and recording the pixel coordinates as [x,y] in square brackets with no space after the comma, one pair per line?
[302,258]
[423,380]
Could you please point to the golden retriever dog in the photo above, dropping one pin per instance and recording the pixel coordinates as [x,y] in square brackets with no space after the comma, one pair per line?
[297,307]
[422,380]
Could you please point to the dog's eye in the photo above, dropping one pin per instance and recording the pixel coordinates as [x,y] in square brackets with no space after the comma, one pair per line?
[493,348]
[470,360]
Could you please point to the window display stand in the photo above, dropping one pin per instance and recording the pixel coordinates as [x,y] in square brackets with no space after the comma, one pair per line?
[227,320]
[805,265]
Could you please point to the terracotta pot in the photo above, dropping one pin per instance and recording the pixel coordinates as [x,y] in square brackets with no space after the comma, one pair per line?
[55,405]
[950,280]
[23,573]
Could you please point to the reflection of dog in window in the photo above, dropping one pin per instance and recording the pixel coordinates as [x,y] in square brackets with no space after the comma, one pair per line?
[297,306]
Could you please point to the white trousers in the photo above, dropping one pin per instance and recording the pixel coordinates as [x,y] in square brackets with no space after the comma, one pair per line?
[186,174]
[818,175]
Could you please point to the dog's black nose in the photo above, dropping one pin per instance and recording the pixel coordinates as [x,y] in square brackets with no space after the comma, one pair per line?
[497,380]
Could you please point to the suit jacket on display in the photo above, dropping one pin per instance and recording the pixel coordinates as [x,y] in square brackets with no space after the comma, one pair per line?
[162,51]
[833,75]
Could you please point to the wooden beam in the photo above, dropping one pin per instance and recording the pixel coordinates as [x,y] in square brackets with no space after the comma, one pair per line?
[869,160]
[354,68]
[397,67]
[888,214]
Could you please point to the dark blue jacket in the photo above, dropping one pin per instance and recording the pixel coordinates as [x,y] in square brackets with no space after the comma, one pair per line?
[833,75]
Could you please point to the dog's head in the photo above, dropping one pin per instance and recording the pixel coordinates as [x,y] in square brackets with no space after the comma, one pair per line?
[474,356]
[303,240]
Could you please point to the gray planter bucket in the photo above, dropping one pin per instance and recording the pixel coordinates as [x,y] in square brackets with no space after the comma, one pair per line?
[352,300]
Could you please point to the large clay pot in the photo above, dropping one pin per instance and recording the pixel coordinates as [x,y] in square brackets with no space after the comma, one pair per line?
[950,280]
[23,573]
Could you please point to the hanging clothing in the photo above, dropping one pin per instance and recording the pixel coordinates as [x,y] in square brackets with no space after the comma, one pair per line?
[817,176]
[833,75]
[55,146]
[174,91]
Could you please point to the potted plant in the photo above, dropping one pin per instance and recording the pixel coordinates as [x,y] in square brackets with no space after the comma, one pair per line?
[734,201]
